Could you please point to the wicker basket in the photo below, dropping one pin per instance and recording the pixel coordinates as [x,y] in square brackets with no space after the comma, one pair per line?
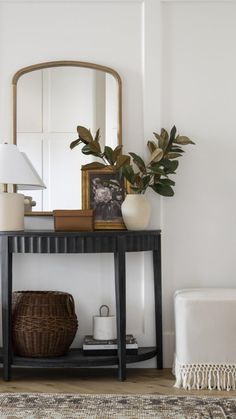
[44,323]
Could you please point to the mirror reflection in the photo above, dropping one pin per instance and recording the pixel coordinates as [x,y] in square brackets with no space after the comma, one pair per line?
[50,103]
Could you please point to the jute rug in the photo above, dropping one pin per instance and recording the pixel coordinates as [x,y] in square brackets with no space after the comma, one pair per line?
[70,406]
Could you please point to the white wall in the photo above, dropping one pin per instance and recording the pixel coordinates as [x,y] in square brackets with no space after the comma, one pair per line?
[198,95]
[177,63]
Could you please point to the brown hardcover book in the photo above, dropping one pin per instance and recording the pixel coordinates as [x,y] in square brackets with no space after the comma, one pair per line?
[73,220]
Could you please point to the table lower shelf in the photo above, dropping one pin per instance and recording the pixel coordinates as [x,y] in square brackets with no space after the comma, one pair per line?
[75,358]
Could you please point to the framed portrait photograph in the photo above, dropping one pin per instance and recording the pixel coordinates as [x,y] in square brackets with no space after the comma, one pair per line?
[103,190]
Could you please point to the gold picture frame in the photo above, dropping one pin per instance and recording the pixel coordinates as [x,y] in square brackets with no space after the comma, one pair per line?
[104,190]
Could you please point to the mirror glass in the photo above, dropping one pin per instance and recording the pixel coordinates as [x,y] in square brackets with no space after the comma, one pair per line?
[49,104]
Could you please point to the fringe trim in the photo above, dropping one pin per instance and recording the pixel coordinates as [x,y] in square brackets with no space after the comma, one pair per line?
[205,376]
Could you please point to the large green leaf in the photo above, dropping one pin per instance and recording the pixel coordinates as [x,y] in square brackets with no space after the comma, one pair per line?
[172,139]
[117,152]
[95,146]
[122,160]
[172,155]
[85,134]
[94,165]
[164,139]
[156,155]
[157,136]
[151,146]
[167,182]
[170,165]
[74,143]
[164,190]
[108,153]
[87,150]
[182,139]
[128,173]
[138,161]
[173,133]
[97,136]
[176,149]
[155,168]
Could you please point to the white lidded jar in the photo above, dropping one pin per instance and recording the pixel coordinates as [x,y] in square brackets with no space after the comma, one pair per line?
[136,211]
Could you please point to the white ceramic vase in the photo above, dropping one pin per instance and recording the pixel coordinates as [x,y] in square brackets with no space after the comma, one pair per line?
[136,211]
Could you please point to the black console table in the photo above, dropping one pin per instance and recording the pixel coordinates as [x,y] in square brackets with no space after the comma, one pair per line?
[116,242]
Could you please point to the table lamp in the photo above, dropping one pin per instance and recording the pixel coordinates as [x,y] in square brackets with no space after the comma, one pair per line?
[15,169]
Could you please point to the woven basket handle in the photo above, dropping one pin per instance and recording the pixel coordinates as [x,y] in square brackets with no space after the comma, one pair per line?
[70,305]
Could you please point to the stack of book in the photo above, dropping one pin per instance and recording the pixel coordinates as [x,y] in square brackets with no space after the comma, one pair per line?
[96,347]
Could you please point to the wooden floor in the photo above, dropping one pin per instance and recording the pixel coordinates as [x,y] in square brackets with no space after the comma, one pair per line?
[94,381]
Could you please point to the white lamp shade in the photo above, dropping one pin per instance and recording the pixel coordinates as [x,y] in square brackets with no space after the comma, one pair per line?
[16,169]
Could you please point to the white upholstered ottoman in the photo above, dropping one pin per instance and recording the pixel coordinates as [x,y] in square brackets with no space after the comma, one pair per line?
[205,326]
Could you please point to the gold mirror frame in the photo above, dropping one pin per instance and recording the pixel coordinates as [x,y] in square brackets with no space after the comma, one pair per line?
[51,64]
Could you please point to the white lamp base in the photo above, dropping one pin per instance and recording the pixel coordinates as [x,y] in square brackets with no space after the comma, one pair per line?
[11,211]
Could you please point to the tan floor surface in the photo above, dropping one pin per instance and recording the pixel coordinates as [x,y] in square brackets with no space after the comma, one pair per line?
[94,381]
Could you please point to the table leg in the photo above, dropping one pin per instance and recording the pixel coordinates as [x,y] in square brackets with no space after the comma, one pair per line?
[120,285]
[158,302]
[6,277]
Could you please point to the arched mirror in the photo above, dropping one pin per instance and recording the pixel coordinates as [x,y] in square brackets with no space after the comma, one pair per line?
[49,101]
